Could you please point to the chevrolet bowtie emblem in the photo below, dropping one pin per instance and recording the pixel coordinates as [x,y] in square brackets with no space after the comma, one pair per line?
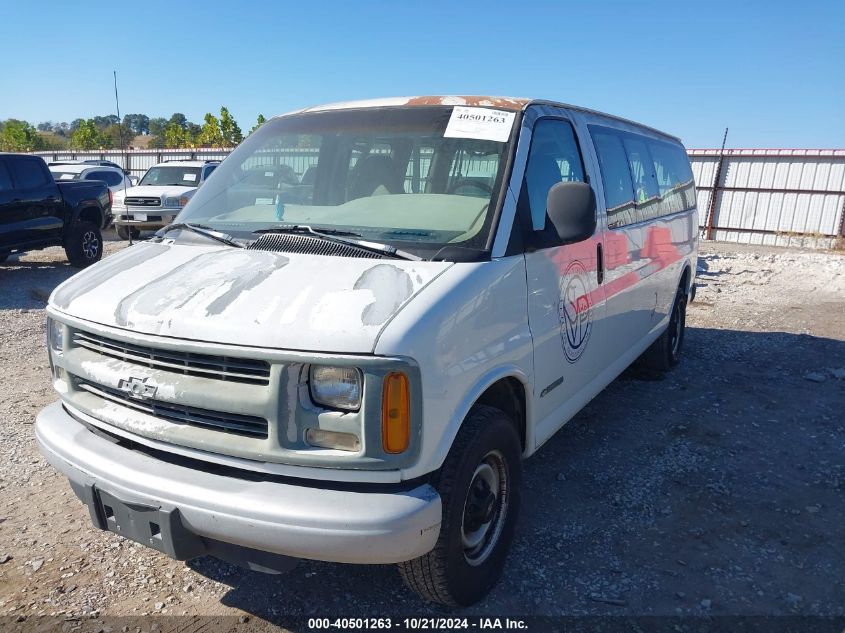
[137,388]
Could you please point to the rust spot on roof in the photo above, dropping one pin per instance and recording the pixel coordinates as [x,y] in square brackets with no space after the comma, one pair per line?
[507,103]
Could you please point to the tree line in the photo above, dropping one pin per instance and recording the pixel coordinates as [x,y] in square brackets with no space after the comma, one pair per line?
[109,132]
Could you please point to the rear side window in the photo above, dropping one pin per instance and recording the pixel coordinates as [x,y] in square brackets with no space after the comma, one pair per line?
[554,158]
[5,178]
[109,177]
[616,177]
[28,173]
[674,177]
[113,179]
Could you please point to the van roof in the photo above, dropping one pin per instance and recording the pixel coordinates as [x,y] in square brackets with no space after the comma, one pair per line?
[504,103]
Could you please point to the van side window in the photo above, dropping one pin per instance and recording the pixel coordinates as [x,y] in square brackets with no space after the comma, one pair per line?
[674,177]
[646,195]
[616,178]
[554,157]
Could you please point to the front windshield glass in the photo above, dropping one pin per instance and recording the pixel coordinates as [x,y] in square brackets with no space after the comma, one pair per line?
[387,175]
[171,175]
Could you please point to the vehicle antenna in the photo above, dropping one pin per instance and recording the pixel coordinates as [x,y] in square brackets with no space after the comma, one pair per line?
[120,134]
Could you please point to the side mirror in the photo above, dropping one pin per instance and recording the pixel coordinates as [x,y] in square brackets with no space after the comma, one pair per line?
[571,207]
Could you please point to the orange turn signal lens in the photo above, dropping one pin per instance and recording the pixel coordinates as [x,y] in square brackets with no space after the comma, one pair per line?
[395,413]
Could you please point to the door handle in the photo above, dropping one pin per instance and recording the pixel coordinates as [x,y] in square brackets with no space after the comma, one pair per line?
[599,263]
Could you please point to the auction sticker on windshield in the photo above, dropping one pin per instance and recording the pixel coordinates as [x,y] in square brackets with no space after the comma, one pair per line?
[480,123]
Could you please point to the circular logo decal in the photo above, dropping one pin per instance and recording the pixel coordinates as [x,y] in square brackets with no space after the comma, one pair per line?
[575,310]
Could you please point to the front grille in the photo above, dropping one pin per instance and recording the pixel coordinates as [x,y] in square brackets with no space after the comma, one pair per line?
[293,243]
[248,425]
[143,202]
[225,368]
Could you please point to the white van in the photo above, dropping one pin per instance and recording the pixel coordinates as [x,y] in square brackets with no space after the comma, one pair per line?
[354,333]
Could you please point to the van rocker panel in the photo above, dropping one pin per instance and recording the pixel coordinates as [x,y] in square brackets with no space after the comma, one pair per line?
[297,521]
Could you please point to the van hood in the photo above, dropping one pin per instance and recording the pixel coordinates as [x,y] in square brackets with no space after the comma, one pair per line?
[245,297]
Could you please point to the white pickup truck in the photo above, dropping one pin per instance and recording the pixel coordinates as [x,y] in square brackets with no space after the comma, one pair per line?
[159,196]
[354,333]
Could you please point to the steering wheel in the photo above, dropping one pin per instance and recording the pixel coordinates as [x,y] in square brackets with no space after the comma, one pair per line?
[460,183]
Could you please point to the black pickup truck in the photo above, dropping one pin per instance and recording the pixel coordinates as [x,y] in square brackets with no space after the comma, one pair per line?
[36,211]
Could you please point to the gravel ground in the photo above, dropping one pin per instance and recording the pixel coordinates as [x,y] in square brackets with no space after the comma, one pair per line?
[715,490]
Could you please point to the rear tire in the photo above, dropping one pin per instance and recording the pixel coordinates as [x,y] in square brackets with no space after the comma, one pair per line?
[479,486]
[123,232]
[83,244]
[665,352]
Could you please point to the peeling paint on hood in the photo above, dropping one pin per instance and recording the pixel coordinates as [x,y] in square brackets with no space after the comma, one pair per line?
[213,280]
[84,282]
[391,286]
[244,297]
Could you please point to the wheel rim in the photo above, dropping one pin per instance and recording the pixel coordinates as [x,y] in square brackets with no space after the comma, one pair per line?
[485,508]
[676,329]
[90,244]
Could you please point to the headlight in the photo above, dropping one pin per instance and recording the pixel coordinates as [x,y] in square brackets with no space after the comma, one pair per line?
[336,387]
[55,336]
[172,202]
[183,201]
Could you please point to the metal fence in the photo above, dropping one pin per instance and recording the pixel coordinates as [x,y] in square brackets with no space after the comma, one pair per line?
[138,161]
[784,197]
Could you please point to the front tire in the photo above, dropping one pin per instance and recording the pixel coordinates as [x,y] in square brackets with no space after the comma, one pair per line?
[665,353]
[479,486]
[83,244]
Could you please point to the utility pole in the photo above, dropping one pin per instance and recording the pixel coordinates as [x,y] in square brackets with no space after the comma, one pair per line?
[714,190]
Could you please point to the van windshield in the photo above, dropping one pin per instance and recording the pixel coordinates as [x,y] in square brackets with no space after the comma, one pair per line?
[388,175]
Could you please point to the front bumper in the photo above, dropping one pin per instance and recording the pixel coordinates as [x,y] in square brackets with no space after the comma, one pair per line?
[156,218]
[311,521]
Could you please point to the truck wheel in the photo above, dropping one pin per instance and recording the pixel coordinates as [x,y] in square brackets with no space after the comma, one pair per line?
[479,486]
[665,352]
[83,244]
[123,232]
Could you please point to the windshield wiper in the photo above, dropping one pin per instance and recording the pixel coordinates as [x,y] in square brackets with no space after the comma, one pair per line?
[304,228]
[334,235]
[203,230]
